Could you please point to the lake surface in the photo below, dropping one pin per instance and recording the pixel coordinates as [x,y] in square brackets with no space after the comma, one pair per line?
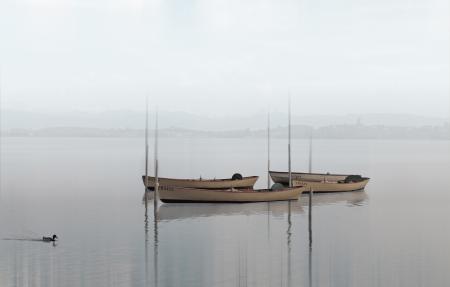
[89,192]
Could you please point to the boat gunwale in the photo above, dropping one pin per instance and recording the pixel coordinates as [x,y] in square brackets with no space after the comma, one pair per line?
[204,180]
[337,192]
[214,202]
[235,191]
[312,173]
[364,179]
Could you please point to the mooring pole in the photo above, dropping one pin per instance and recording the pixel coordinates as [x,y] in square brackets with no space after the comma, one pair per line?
[146,144]
[310,237]
[310,150]
[268,150]
[310,216]
[146,154]
[289,143]
[155,197]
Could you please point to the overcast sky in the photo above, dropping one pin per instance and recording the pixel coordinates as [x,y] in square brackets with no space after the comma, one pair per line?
[217,57]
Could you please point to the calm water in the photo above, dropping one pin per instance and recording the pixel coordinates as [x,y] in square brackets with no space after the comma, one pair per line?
[88,191]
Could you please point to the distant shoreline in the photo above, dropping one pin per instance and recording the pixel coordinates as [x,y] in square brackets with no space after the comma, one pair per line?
[301,132]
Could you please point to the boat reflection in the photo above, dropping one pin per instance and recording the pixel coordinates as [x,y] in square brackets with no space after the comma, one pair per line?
[180,211]
[282,246]
[353,198]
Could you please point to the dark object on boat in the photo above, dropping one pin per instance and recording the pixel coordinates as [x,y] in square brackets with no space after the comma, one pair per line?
[48,239]
[277,186]
[353,178]
[237,176]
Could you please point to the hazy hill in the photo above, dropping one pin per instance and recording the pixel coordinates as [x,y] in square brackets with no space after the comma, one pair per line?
[330,132]
[13,119]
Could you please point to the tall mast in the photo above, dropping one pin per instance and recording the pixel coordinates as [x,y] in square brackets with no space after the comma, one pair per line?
[289,143]
[146,144]
[155,197]
[268,150]
[310,150]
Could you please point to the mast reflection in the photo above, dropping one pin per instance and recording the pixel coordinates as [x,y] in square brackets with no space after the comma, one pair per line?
[146,198]
[310,238]
[155,250]
[289,233]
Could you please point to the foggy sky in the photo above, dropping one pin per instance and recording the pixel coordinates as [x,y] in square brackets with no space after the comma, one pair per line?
[217,57]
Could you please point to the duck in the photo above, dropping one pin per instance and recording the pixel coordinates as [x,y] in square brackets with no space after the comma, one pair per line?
[48,239]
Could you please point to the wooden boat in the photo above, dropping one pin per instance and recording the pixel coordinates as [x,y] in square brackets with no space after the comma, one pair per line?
[177,210]
[181,194]
[322,182]
[245,182]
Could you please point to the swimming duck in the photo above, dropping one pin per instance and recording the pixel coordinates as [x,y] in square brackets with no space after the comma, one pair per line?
[53,238]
